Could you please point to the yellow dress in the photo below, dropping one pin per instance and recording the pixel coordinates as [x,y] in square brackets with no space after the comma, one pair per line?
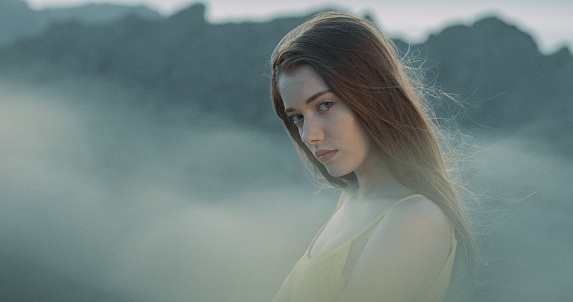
[319,279]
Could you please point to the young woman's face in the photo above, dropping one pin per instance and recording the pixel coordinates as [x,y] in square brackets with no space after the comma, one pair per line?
[326,125]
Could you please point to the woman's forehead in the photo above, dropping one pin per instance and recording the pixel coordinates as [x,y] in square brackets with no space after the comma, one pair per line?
[299,84]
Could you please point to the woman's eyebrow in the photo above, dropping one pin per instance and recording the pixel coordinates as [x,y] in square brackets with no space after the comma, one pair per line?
[310,99]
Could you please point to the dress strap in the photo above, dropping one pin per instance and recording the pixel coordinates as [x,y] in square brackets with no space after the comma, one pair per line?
[323,226]
[377,219]
[369,226]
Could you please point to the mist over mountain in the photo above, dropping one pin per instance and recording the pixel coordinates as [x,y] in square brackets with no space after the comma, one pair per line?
[496,70]
[141,160]
[183,60]
[503,79]
[18,20]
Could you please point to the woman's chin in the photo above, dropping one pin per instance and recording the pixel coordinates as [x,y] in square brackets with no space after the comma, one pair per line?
[337,172]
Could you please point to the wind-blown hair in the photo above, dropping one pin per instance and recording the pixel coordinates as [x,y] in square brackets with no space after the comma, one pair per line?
[360,65]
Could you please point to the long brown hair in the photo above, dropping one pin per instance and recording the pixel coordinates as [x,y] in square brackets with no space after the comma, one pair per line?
[360,65]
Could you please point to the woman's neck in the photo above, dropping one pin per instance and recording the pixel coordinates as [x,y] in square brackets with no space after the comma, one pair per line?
[376,182]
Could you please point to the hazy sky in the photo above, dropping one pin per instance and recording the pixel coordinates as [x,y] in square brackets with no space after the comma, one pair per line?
[548,21]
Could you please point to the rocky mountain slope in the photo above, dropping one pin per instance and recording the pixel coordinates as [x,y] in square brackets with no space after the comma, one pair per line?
[18,20]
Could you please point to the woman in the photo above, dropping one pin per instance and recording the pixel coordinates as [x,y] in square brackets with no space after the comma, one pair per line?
[400,232]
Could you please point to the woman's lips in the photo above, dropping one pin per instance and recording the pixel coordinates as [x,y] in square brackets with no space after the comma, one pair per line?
[324,155]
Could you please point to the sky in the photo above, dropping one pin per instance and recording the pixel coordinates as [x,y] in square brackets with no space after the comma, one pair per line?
[549,21]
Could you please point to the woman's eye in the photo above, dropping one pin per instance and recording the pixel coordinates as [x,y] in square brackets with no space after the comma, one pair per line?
[324,106]
[297,118]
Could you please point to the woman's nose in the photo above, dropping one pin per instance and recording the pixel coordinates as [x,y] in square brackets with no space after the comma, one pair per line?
[311,131]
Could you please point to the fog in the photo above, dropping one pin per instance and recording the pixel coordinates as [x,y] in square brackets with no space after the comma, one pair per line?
[107,196]
[148,205]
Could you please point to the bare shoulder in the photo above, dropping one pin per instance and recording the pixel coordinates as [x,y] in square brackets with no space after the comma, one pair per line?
[416,214]
[415,224]
[404,253]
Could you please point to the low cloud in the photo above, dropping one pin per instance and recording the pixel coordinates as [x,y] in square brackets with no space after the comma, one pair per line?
[149,206]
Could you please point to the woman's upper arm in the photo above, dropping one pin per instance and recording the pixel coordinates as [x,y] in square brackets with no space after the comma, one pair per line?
[403,256]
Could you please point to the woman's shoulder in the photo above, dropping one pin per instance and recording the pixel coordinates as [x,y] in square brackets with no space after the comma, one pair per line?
[414,222]
[417,210]
[410,245]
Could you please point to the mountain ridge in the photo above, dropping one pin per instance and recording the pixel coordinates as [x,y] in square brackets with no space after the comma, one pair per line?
[19,21]
[495,69]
